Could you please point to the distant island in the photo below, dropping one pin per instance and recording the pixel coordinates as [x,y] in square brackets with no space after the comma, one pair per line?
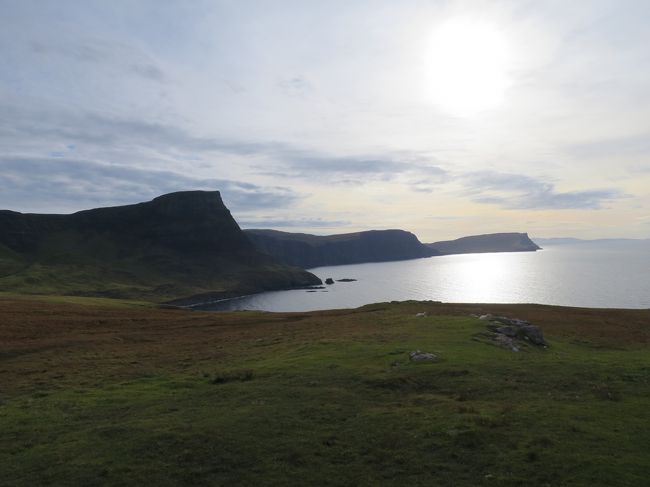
[581,241]
[492,242]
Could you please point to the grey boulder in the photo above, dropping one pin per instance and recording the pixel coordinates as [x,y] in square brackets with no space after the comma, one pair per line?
[418,356]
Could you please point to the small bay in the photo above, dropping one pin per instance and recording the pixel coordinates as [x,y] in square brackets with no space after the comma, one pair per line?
[611,274]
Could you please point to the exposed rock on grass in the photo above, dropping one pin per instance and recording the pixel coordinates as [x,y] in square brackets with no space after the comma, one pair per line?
[512,333]
[418,356]
[507,342]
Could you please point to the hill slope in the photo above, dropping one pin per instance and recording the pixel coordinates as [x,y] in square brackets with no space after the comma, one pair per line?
[305,250]
[177,245]
[100,395]
[493,242]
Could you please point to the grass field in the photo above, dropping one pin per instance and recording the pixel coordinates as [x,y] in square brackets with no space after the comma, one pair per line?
[96,392]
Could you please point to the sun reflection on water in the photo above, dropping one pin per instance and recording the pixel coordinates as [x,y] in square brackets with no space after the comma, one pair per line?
[478,277]
[565,275]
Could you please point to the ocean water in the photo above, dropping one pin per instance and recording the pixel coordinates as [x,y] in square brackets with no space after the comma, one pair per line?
[598,274]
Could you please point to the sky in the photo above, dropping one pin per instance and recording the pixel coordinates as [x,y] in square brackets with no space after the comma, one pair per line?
[443,118]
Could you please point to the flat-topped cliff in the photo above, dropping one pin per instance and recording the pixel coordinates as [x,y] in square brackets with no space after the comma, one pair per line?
[176,245]
[493,242]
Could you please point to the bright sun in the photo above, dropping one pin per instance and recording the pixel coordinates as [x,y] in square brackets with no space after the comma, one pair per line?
[466,67]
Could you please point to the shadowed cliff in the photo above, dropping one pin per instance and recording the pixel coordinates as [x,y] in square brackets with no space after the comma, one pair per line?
[307,250]
[493,242]
[177,245]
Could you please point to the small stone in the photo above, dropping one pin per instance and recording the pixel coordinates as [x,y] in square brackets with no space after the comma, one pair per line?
[420,315]
[485,317]
[418,356]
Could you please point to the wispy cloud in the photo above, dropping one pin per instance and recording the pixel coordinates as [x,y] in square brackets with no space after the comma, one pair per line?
[92,128]
[517,191]
[110,55]
[281,159]
[638,144]
[347,170]
[274,222]
[296,86]
[78,184]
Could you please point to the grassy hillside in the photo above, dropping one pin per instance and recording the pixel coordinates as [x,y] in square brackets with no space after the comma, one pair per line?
[95,394]
[175,246]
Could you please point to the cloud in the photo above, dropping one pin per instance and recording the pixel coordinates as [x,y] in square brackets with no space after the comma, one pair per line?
[447,218]
[20,123]
[149,71]
[79,184]
[113,55]
[638,144]
[273,222]
[347,170]
[280,159]
[517,191]
[295,87]
[79,175]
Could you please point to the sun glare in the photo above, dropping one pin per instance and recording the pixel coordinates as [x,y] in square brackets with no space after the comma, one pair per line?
[466,67]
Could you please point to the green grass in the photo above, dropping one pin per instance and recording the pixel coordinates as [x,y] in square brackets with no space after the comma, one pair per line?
[344,409]
[139,279]
[73,263]
[80,300]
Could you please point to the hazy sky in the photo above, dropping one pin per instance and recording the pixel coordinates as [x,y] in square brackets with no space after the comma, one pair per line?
[444,118]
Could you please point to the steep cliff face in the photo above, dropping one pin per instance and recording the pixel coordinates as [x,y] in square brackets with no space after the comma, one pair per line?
[308,251]
[193,221]
[494,242]
[173,246]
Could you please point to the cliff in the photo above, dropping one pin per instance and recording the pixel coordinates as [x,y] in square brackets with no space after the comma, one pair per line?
[177,245]
[305,250]
[493,242]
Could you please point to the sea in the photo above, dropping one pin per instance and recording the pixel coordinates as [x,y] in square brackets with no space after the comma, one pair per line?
[596,274]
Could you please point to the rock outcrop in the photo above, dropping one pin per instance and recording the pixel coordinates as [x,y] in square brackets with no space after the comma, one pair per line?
[512,333]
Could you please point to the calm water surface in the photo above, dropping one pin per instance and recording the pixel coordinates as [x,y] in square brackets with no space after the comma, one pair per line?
[611,275]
